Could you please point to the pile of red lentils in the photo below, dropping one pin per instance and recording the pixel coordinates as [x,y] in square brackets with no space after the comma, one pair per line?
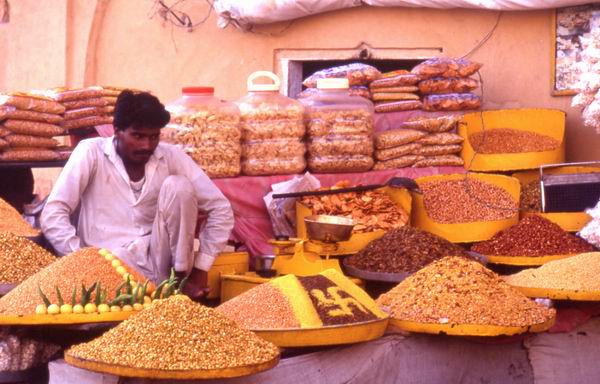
[466,200]
[533,236]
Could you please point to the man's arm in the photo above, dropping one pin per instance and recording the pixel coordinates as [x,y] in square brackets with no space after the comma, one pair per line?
[64,199]
[219,222]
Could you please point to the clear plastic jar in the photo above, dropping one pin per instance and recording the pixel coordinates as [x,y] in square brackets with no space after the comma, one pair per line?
[339,127]
[207,129]
[272,129]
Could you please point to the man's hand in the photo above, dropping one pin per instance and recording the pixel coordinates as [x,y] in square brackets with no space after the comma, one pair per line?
[196,286]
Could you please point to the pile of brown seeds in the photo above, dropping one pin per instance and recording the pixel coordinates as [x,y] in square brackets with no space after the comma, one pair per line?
[403,250]
[177,334]
[506,140]
[577,273]
[531,196]
[533,236]
[455,290]
[12,222]
[262,307]
[84,266]
[20,258]
[466,200]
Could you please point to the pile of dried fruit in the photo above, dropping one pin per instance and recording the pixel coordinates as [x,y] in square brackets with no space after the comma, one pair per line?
[466,200]
[372,210]
[177,334]
[403,250]
[533,236]
[86,271]
[455,290]
[506,140]
[531,196]
[577,273]
[12,222]
[326,299]
[20,258]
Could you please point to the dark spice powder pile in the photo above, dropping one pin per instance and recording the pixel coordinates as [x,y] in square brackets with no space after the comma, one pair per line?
[533,236]
[404,250]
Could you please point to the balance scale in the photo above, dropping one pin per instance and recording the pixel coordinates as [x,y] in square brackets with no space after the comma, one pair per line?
[301,257]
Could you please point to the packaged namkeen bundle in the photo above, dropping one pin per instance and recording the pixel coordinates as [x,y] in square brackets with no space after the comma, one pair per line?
[207,129]
[355,73]
[292,302]
[506,140]
[533,236]
[576,273]
[372,210]
[270,123]
[355,90]
[12,222]
[458,291]
[466,200]
[20,258]
[177,338]
[403,250]
[85,281]
[396,93]
[340,129]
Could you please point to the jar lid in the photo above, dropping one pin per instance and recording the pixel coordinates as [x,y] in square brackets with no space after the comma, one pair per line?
[252,86]
[333,83]
[198,90]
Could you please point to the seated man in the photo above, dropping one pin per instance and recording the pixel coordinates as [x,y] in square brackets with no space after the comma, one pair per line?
[139,199]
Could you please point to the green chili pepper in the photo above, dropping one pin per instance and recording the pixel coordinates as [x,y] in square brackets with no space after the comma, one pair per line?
[59,296]
[44,298]
[159,289]
[97,298]
[74,296]
[120,299]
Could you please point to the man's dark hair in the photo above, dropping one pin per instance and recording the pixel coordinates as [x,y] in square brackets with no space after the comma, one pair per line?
[139,110]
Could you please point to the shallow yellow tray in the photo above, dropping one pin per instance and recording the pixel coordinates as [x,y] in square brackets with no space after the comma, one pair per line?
[525,260]
[548,122]
[466,232]
[332,335]
[66,319]
[120,370]
[560,294]
[469,329]
[569,221]
[358,240]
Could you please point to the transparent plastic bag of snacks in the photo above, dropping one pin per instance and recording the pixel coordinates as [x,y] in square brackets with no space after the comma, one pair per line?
[356,73]
[396,137]
[340,145]
[273,149]
[446,67]
[340,164]
[447,85]
[451,102]
[432,124]
[266,167]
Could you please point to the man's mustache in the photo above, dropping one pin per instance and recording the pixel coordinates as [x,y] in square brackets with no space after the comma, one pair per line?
[144,153]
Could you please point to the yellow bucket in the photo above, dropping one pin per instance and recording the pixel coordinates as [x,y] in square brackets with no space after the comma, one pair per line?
[569,221]
[548,122]
[466,232]
[358,240]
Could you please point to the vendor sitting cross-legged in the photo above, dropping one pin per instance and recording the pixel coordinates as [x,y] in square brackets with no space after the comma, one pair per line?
[139,198]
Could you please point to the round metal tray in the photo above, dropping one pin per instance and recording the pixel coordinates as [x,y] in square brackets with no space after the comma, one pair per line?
[374,276]
[560,294]
[525,261]
[469,329]
[121,370]
[322,336]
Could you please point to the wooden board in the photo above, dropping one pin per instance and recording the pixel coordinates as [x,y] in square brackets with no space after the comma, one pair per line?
[333,335]
[66,319]
[525,260]
[120,370]
[469,329]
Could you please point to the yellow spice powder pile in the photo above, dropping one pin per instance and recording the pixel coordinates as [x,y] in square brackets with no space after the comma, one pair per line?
[11,221]
[20,258]
[577,273]
[455,290]
[177,334]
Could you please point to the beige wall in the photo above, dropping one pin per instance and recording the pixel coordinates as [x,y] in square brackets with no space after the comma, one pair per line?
[116,43]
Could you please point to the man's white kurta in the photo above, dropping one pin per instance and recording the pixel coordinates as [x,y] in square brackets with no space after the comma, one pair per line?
[110,216]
